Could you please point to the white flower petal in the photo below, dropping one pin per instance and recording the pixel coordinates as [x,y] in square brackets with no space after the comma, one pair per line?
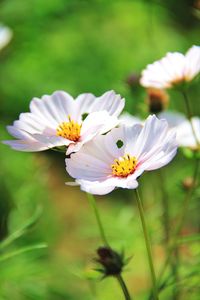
[107,186]
[84,103]
[185,136]
[95,188]
[153,146]
[87,167]
[54,108]
[51,141]
[26,145]
[162,154]
[172,69]
[5,36]
[51,111]
[97,122]
[192,67]
[109,101]
[154,130]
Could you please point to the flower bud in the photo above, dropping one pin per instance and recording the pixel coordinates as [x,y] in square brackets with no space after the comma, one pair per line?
[188,183]
[157,100]
[133,80]
[111,262]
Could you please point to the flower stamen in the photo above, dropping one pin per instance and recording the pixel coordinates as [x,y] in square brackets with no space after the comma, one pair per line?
[69,130]
[124,166]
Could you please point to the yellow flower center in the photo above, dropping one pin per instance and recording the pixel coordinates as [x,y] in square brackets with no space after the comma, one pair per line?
[124,166]
[69,130]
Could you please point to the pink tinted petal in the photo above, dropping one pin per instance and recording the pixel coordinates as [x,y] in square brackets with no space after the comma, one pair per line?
[54,108]
[174,64]
[97,123]
[95,188]
[153,131]
[18,133]
[81,165]
[106,186]
[103,150]
[163,73]
[110,102]
[26,145]
[51,141]
[161,154]
[131,136]
[111,140]
[84,103]
[185,136]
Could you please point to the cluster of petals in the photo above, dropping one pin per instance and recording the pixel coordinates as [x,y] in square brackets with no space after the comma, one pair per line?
[173,69]
[59,120]
[184,133]
[5,36]
[177,122]
[132,149]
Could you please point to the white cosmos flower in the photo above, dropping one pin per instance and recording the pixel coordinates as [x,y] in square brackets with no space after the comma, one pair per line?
[172,69]
[59,120]
[118,158]
[184,133]
[5,36]
[177,122]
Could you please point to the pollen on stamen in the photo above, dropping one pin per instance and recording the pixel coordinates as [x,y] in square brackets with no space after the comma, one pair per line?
[124,166]
[69,130]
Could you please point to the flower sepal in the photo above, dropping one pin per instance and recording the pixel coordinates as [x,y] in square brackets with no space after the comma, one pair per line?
[110,262]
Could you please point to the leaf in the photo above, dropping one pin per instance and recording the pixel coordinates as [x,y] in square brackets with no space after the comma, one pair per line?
[21,251]
[19,232]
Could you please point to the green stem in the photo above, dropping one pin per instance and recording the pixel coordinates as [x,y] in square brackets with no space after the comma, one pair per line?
[166,221]
[123,287]
[148,245]
[93,204]
[189,116]
[165,206]
[181,220]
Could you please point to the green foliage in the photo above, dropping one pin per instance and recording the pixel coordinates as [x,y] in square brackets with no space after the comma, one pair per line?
[82,46]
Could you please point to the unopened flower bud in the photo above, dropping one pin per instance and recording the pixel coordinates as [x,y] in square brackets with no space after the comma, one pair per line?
[188,183]
[110,261]
[157,100]
[133,80]
[196,4]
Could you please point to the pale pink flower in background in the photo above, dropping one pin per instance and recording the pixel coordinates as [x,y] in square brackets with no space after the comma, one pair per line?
[118,158]
[184,133]
[5,36]
[129,120]
[176,121]
[59,120]
[173,69]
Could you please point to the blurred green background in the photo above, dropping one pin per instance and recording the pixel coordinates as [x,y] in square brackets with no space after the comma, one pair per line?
[86,46]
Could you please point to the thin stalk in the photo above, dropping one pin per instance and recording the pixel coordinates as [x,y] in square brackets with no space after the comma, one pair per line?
[93,204]
[123,287]
[189,116]
[166,221]
[181,220]
[148,245]
[165,206]
[175,272]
